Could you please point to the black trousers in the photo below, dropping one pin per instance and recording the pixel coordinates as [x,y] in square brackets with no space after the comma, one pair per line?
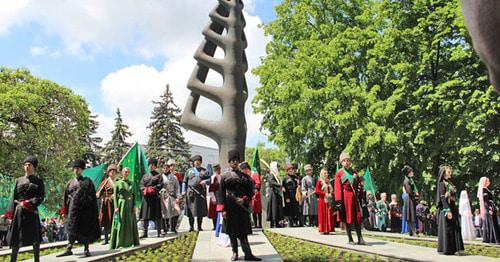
[199,221]
[245,246]
[357,227]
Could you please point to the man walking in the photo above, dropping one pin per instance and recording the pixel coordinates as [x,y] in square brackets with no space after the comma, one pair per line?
[236,191]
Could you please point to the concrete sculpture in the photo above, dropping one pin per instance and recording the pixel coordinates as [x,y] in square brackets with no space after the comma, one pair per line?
[225,30]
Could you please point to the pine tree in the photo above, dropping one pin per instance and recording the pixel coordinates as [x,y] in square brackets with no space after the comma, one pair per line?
[92,142]
[116,148]
[166,139]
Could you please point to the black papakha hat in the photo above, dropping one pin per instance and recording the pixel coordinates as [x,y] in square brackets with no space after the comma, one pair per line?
[153,161]
[78,163]
[406,170]
[196,157]
[233,155]
[244,165]
[32,160]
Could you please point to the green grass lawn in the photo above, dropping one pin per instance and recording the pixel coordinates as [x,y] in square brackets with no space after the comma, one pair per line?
[294,250]
[178,249]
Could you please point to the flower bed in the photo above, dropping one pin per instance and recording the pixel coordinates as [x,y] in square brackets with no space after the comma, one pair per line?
[479,250]
[178,249]
[292,250]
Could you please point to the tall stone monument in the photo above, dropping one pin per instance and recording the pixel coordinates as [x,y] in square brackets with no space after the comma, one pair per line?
[225,30]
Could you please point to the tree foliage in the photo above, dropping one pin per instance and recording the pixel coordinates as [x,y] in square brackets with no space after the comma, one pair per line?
[117,147]
[392,82]
[267,154]
[166,139]
[39,117]
[92,142]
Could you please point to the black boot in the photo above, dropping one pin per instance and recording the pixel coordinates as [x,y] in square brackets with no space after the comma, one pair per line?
[199,221]
[361,241]
[13,256]
[106,236]
[191,223]
[86,251]
[349,234]
[234,257]
[145,229]
[68,251]
[36,252]
[259,218]
[173,225]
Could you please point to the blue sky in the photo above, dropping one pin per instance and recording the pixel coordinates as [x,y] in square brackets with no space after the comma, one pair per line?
[121,54]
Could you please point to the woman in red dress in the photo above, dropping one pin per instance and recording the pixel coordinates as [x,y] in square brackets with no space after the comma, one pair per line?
[212,191]
[324,191]
[256,201]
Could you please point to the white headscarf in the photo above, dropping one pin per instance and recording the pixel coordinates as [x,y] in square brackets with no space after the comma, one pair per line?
[464,206]
[482,185]
[274,168]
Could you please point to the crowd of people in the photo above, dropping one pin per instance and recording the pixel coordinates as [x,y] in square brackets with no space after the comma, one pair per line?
[341,201]
[326,202]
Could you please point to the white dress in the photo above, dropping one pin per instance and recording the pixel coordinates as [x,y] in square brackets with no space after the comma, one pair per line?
[467,222]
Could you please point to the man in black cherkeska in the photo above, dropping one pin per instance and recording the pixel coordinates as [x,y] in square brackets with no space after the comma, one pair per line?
[25,228]
[236,192]
[80,211]
[151,184]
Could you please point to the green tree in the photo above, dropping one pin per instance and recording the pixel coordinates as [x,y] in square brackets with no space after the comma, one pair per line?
[39,117]
[92,142]
[392,82]
[166,139]
[116,148]
[267,154]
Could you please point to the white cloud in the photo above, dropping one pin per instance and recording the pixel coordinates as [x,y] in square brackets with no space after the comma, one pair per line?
[171,29]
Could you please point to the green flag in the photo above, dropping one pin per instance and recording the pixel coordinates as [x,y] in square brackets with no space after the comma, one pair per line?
[369,183]
[135,159]
[256,161]
[95,174]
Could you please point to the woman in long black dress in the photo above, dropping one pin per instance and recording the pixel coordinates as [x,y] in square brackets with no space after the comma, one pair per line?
[491,231]
[449,233]
[409,186]
[29,193]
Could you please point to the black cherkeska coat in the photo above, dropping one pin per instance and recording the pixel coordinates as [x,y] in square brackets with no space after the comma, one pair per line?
[236,184]
[449,232]
[80,204]
[151,207]
[25,228]
[290,183]
[275,201]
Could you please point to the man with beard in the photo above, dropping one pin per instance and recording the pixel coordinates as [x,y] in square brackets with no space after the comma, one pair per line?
[151,184]
[236,192]
[80,211]
[348,194]
[194,186]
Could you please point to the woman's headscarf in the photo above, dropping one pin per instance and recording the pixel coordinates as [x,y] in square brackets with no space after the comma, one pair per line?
[442,171]
[274,168]
[464,205]
[482,185]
